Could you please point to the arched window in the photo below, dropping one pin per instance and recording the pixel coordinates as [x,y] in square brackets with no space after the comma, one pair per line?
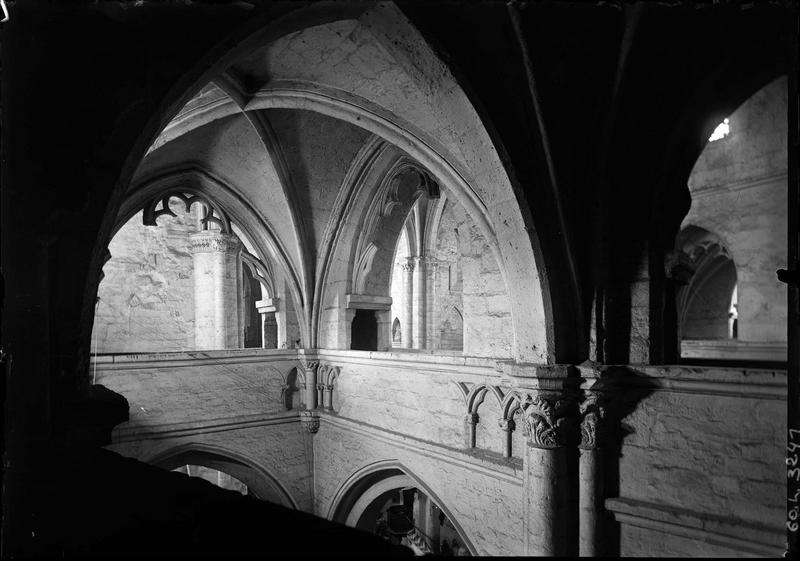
[396,333]
[705,302]
[391,504]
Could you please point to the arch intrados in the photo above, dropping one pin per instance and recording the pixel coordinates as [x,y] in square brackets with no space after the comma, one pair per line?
[369,496]
[259,479]
[694,234]
[256,32]
[362,479]
[260,31]
[342,105]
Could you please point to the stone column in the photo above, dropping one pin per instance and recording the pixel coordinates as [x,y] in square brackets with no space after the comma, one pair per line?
[590,478]
[330,374]
[216,270]
[310,371]
[418,306]
[327,397]
[433,528]
[384,320]
[320,392]
[547,423]
[507,426]
[408,308]
[268,308]
[470,424]
[431,267]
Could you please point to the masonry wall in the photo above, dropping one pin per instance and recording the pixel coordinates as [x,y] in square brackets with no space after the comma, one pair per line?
[417,394]
[230,402]
[701,470]
[739,191]
[449,290]
[146,298]
[484,499]
[487,324]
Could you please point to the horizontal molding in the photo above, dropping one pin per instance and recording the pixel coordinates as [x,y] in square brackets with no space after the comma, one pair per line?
[718,530]
[748,383]
[422,361]
[131,432]
[702,380]
[192,358]
[732,349]
[710,190]
[504,471]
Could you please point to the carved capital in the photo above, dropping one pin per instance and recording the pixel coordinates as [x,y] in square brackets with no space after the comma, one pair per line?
[214,242]
[310,421]
[408,265]
[309,364]
[549,420]
[592,413]
[507,425]
[328,373]
[471,418]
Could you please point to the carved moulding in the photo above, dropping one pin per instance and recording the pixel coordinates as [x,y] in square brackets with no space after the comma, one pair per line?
[213,213]
[548,420]
[214,242]
[308,365]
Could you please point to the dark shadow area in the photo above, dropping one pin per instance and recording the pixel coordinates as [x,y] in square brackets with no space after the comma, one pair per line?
[364,331]
[623,390]
[289,389]
[85,501]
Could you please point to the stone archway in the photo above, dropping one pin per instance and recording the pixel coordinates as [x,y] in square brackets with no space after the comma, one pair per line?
[366,499]
[260,483]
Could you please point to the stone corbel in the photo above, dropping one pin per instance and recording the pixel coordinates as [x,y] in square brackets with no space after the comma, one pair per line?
[310,421]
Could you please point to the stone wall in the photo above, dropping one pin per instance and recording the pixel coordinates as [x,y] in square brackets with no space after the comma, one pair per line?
[449,291]
[739,191]
[418,392]
[230,402]
[702,464]
[470,310]
[146,298]
[700,470]
[282,450]
[482,498]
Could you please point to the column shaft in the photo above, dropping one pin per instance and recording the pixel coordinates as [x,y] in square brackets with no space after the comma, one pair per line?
[408,311]
[216,289]
[547,498]
[310,370]
[591,496]
[419,295]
